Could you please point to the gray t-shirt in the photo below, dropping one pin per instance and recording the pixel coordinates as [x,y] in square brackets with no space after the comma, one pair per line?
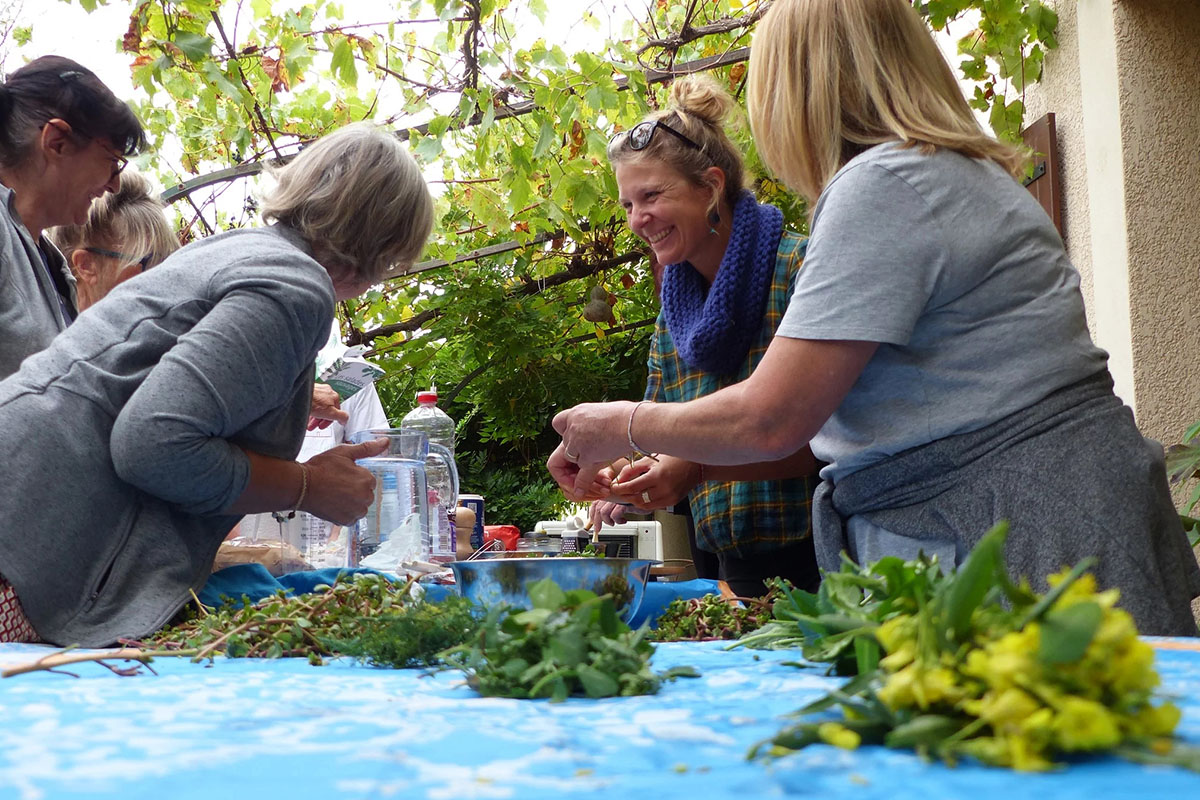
[959,274]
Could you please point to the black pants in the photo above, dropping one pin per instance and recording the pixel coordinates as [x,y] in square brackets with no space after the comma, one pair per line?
[796,562]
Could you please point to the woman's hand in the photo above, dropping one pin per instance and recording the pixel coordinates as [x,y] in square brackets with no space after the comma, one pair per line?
[651,485]
[593,435]
[604,512]
[567,474]
[326,407]
[339,490]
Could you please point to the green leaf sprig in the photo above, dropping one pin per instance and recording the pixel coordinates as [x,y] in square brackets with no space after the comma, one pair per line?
[834,625]
[568,643]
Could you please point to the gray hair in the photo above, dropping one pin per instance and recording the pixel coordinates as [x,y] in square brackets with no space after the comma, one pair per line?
[129,220]
[359,199]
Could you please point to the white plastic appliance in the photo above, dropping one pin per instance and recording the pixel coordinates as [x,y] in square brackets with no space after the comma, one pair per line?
[638,539]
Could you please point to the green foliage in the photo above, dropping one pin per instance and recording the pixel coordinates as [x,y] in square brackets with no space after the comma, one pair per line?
[306,626]
[835,625]
[520,495]
[568,643]
[713,617]
[513,127]
[1003,55]
[1183,469]
[411,636]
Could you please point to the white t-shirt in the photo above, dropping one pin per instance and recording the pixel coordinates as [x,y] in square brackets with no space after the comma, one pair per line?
[959,274]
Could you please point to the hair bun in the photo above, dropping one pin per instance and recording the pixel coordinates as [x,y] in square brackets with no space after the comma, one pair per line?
[702,97]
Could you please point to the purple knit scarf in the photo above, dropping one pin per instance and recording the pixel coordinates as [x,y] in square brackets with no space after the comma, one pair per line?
[713,327]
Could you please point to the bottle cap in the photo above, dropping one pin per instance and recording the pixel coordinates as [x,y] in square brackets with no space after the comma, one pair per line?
[429,396]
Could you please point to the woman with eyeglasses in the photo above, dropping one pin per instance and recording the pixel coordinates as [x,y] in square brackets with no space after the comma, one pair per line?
[178,403]
[125,234]
[64,138]
[934,351]
[728,268]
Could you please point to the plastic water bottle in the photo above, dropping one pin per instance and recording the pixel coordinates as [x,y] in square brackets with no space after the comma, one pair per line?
[438,426]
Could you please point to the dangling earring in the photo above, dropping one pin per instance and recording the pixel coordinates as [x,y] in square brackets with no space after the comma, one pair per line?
[714,219]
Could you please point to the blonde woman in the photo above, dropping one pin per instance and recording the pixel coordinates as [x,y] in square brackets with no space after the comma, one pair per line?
[934,352]
[125,234]
[178,404]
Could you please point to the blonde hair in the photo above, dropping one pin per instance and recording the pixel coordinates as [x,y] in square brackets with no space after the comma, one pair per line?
[831,78]
[129,220]
[698,107]
[359,199]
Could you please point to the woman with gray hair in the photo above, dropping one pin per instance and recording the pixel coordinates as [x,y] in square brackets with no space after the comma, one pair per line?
[187,393]
[125,234]
[64,138]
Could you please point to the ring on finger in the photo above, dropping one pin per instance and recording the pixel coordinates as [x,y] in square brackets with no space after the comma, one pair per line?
[646,497]
[570,456]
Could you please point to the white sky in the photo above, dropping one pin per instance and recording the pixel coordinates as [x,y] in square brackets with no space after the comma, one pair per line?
[91,39]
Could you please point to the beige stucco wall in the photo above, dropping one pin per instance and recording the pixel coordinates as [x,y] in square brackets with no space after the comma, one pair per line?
[1160,127]
[1124,87]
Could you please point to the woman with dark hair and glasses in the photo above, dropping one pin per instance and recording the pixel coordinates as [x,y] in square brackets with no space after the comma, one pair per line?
[729,267]
[64,138]
[125,234]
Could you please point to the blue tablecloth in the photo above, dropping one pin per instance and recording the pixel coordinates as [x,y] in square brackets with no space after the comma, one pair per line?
[284,729]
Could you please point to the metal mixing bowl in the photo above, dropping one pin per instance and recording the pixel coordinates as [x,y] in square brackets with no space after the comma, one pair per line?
[507,580]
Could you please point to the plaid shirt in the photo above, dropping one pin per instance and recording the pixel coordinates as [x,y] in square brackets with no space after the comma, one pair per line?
[744,517]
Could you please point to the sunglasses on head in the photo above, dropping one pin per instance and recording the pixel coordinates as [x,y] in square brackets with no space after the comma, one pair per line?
[639,136]
[127,259]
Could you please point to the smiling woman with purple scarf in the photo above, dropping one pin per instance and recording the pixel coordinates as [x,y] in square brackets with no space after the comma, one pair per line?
[729,270]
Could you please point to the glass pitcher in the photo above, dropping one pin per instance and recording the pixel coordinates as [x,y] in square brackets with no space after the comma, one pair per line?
[398,524]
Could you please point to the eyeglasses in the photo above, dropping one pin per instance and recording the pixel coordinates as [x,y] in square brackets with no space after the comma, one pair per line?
[639,135]
[119,164]
[119,161]
[122,257]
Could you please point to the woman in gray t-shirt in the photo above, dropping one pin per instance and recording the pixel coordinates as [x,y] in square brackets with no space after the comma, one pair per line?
[935,351]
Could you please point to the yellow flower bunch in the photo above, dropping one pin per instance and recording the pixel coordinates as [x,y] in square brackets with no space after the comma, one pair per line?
[1026,708]
[971,664]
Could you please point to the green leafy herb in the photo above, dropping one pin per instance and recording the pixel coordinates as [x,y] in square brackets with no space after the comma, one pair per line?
[834,625]
[713,617]
[284,625]
[412,636]
[569,643]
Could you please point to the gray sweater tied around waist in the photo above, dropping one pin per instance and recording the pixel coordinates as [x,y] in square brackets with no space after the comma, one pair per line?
[1073,477]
